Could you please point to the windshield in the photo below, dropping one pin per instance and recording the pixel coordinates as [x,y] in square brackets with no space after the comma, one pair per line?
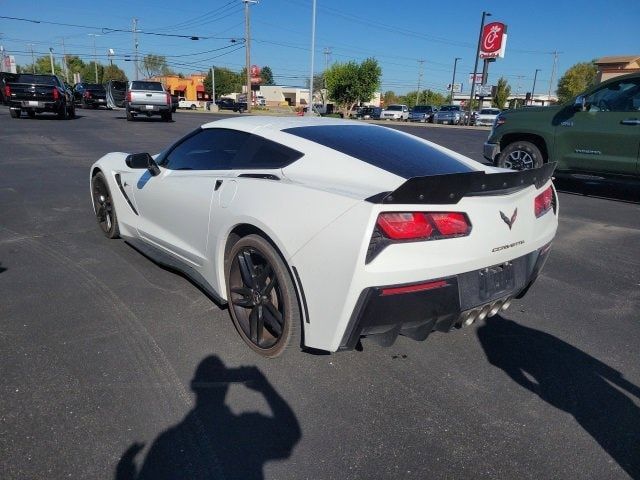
[422,108]
[489,111]
[394,107]
[38,79]
[151,86]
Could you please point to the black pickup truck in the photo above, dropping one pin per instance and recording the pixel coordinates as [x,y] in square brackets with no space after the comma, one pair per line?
[39,93]
[231,104]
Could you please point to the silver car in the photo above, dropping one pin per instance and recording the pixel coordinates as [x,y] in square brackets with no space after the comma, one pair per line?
[422,113]
[449,114]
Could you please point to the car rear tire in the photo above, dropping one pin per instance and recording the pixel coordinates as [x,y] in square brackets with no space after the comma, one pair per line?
[14,113]
[520,155]
[103,206]
[63,114]
[193,107]
[263,303]
[167,117]
[130,116]
[31,114]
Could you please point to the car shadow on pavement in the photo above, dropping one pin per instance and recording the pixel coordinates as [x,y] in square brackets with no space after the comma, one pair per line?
[153,119]
[596,395]
[610,190]
[47,116]
[2,269]
[212,442]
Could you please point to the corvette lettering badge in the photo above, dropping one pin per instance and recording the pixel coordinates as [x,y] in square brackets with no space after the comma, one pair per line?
[509,221]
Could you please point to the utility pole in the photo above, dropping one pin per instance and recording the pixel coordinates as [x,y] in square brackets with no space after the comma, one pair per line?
[33,59]
[213,83]
[53,71]
[327,53]
[95,57]
[535,77]
[247,47]
[553,73]
[475,67]
[313,52]
[64,62]
[453,80]
[135,46]
[421,62]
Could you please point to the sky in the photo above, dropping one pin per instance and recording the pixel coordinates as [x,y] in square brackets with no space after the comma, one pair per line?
[398,33]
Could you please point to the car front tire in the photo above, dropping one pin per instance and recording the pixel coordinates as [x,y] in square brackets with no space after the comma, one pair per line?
[103,206]
[263,303]
[14,113]
[520,155]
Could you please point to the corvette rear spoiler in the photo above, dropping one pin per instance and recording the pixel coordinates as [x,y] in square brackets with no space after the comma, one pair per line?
[450,188]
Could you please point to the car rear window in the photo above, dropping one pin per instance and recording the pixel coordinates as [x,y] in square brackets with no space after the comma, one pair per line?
[151,86]
[95,86]
[37,79]
[384,148]
[489,111]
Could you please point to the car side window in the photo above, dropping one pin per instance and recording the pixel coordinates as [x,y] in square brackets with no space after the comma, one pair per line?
[261,153]
[621,96]
[209,149]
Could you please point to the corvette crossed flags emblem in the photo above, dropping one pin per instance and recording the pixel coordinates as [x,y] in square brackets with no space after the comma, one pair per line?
[509,221]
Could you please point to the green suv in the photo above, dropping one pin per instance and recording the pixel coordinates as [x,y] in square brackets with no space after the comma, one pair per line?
[596,136]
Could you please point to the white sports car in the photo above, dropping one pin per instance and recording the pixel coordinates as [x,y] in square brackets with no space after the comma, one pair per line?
[318,233]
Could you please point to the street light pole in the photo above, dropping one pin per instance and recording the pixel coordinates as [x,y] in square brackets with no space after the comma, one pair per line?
[453,80]
[33,59]
[313,51]
[53,71]
[247,46]
[475,67]
[421,62]
[95,57]
[535,76]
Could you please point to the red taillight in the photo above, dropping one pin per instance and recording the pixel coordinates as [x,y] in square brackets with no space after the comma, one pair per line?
[7,91]
[423,225]
[56,94]
[168,99]
[418,287]
[87,94]
[404,226]
[543,202]
[128,97]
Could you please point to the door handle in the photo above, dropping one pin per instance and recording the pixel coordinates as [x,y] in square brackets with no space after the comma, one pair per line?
[218,183]
[631,121]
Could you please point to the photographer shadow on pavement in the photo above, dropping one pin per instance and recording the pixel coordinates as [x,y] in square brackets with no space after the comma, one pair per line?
[212,442]
[596,395]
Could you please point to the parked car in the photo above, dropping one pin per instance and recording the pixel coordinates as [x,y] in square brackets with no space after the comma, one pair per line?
[34,94]
[88,95]
[5,78]
[148,98]
[395,112]
[486,117]
[369,113]
[595,136]
[190,104]
[231,104]
[116,93]
[402,245]
[449,114]
[422,113]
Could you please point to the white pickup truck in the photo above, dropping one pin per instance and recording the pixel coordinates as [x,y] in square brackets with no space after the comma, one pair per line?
[148,98]
[190,104]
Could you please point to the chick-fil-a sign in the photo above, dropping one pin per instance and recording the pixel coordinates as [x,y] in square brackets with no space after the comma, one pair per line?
[494,40]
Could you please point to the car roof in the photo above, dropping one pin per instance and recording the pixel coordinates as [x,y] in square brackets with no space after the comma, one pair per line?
[253,123]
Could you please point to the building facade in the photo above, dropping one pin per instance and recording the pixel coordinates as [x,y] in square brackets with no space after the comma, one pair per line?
[610,67]
[191,87]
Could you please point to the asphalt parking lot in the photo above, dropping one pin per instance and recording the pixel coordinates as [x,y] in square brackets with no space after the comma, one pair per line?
[102,352]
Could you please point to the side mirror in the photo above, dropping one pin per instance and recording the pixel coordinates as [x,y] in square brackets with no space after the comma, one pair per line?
[580,104]
[142,160]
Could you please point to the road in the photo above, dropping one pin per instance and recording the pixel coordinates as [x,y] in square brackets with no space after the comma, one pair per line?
[109,362]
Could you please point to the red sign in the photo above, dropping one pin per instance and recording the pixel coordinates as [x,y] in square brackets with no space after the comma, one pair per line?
[494,40]
[255,74]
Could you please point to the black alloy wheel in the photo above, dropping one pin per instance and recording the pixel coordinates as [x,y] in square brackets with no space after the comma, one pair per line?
[103,206]
[262,299]
[520,155]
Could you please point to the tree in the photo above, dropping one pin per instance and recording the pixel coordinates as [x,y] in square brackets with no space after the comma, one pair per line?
[503,90]
[389,98]
[155,66]
[42,66]
[576,80]
[113,72]
[267,76]
[350,83]
[227,81]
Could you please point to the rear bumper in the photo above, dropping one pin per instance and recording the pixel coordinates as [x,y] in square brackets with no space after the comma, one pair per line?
[141,108]
[383,313]
[491,151]
[40,106]
[101,102]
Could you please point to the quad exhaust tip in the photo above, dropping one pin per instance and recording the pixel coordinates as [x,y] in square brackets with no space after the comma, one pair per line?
[488,310]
